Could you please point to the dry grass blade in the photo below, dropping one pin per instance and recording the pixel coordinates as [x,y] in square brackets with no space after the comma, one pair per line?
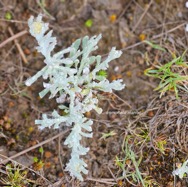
[13,37]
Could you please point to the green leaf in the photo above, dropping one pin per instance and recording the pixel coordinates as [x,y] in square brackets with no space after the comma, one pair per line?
[35,159]
[8,16]
[155,46]
[89,23]
[41,150]
[102,73]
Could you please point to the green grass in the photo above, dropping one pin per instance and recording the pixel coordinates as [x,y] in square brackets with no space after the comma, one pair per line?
[130,167]
[16,177]
[173,76]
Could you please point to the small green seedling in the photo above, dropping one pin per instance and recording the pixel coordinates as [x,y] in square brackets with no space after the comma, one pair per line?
[102,73]
[143,136]
[35,159]
[161,145]
[41,150]
[38,162]
[89,23]
[16,177]
[8,16]
[173,76]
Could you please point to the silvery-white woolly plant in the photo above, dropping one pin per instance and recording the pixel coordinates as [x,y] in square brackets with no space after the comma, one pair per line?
[182,170]
[69,77]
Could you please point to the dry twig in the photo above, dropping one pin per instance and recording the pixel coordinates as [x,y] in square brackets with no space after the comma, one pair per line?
[33,147]
[13,38]
[18,46]
[142,16]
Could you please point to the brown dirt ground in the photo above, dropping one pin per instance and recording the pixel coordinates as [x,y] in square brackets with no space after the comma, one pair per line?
[145,120]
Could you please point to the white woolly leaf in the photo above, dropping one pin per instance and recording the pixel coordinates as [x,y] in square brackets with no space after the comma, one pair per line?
[70,78]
